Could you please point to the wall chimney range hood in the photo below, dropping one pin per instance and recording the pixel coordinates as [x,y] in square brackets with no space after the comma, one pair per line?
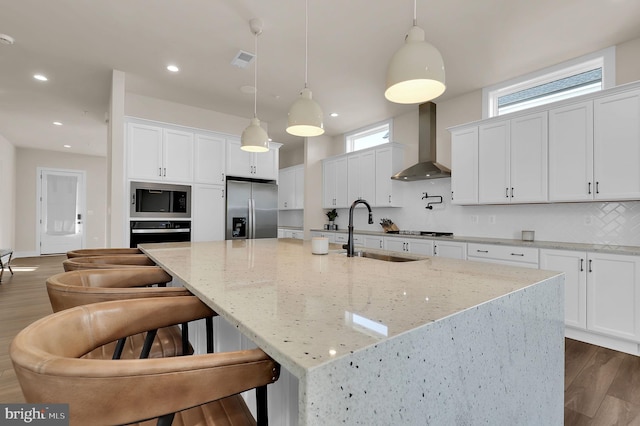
[426,168]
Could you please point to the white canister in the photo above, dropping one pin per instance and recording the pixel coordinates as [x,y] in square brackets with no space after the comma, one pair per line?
[319,245]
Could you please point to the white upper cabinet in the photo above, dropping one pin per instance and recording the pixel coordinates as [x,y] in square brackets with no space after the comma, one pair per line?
[464,166]
[512,158]
[617,146]
[334,179]
[156,153]
[389,161]
[361,176]
[209,159]
[257,165]
[291,188]
[493,159]
[571,153]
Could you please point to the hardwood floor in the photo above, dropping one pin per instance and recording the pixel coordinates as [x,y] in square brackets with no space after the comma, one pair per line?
[602,387]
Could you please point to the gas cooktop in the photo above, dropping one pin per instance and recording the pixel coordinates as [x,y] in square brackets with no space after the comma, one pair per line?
[424,233]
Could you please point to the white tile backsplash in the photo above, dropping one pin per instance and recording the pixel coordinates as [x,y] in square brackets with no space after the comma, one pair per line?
[590,223]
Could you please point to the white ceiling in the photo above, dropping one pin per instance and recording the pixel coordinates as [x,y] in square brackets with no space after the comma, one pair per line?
[77,43]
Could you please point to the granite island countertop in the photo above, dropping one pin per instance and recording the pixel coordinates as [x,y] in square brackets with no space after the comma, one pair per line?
[316,313]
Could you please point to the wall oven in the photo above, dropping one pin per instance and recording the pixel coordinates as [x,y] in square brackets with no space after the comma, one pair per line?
[159,231]
[159,200]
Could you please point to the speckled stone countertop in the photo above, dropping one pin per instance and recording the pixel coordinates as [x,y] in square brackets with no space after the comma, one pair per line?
[557,245]
[318,314]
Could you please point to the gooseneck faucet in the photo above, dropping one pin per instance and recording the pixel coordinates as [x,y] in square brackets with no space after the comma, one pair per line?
[349,245]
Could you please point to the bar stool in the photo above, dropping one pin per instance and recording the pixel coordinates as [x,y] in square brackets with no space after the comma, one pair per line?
[198,389]
[107,262]
[102,252]
[82,287]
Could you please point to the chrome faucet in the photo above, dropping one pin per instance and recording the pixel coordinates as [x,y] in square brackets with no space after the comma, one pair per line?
[349,245]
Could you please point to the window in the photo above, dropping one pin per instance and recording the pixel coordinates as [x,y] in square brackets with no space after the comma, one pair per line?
[368,137]
[577,77]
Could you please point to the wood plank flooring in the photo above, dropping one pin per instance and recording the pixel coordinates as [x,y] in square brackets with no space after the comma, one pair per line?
[602,387]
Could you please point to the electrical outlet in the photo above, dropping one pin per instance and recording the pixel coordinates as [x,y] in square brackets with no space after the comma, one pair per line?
[492,219]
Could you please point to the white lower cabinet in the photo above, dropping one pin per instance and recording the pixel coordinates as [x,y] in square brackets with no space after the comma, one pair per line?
[450,249]
[409,245]
[291,233]
[371,241]
[602,292]
[526,257]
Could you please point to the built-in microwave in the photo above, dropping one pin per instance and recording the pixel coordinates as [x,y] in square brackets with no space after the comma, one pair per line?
[159,200]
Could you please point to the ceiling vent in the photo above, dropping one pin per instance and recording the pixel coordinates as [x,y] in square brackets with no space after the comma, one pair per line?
[242,59]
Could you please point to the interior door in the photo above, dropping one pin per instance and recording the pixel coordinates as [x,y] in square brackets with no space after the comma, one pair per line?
[62,207]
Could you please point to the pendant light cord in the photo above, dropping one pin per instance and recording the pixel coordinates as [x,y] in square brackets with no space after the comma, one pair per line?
[415,13]
[255,80]
[306,42]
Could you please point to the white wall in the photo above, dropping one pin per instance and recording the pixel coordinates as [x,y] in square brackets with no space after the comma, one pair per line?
[27,163]
[7,193]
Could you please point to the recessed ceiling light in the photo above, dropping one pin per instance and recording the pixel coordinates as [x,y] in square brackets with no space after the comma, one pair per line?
[334,114]
[40,77]
[173,68]
[6,39]
[67,146]
[57,123]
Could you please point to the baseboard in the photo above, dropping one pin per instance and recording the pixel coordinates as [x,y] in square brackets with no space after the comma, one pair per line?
[18,254]
[604,341]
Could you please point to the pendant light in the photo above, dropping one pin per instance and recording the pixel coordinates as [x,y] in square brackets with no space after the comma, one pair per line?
[305,115]
[416,71]
[255,138]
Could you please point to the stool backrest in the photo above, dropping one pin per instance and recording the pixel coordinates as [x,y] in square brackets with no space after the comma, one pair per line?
[102,252]
[107,262]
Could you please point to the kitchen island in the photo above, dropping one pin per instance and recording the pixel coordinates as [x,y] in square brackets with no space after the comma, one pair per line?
[431,341]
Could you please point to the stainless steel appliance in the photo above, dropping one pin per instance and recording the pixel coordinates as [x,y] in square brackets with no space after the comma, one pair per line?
[252,209]
[159,200]
[159,231]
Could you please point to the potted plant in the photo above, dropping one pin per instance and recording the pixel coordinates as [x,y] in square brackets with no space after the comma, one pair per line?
[332,214]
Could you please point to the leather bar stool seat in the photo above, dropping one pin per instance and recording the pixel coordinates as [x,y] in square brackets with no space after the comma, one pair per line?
[102,252]
[201,389]
[107,262]
[69,289]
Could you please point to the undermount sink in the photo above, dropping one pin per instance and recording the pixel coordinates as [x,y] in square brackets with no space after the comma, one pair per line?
[380,256]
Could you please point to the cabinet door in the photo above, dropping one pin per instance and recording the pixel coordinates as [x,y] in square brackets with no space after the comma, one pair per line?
[298,187]
[617,146]
[417,246]
[208,213]
[613,295]
[178,156]
[395,244]
[353,177]
[209,159]
[266,164]
[373,242]
[361,177]
[450,249]
[573,264]
[286,189]
[571,153]
[493,163]
[464,166]
[239,162]
[329,184]
[341,187]
[528,158]
[145,151]
[389,161]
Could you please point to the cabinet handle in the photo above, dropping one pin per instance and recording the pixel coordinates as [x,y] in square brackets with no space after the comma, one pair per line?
[435,250]
[511,192]
[597,187]
[506,192]
[590,269]
[451,195]
[222,180]
[581,265]
[380,243]
[389,199]
[589,187]
[223,193]
[482,251]
[517,254]
[160,171]
[165,172]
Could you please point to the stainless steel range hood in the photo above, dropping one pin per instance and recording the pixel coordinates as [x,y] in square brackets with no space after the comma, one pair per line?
[426,168]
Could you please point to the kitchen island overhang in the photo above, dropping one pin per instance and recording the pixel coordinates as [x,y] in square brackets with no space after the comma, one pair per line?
[435,341]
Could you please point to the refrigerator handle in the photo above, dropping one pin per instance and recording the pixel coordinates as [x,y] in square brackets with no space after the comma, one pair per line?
[252,217]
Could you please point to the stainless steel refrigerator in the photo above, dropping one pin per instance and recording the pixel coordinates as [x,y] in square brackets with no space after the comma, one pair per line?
[252,209]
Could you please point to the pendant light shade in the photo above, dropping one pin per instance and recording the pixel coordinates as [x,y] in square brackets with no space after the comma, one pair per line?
[305,115]
[254,138]
[416,72]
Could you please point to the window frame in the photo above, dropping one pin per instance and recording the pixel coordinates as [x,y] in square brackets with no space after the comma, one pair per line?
[604,58]
[366,131]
